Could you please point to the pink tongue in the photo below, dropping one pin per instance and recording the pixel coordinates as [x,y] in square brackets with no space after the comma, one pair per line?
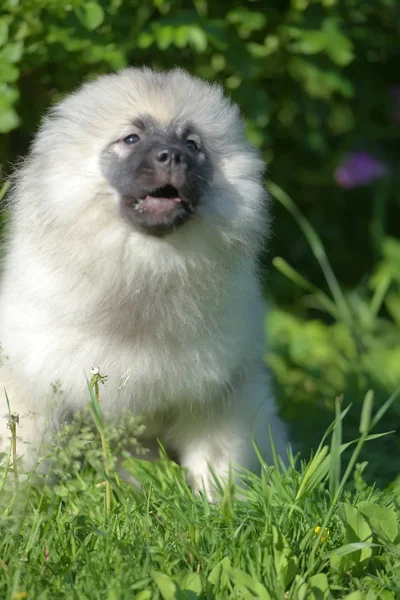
[159,206]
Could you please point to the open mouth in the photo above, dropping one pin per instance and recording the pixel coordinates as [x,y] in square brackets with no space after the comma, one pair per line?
[157,197]
[158,211]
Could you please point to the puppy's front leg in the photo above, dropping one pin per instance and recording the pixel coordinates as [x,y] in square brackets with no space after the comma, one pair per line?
[221,439]
[207,442]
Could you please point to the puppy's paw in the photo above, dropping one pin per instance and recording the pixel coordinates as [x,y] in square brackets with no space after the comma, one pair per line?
[204,474]
[204,483]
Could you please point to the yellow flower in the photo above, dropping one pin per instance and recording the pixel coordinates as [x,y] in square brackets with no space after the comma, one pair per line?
[325,534]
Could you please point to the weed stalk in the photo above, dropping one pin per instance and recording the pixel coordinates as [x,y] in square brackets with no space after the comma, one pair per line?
[94,385]
[12,422]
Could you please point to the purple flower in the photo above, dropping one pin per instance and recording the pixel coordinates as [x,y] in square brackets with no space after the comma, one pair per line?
[359,168]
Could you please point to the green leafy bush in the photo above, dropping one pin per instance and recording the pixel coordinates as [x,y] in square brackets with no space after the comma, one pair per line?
[354,346]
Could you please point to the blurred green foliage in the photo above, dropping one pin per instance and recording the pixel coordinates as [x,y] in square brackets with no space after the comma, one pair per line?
[315,79]
[353,346]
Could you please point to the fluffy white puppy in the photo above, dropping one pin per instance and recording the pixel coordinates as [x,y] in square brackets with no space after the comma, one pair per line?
[137,219]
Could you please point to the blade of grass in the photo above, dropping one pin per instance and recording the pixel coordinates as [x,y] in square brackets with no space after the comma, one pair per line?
[384,408]
[317,248]
[4,189]
[365,421]
[335,454]
[8,461]
[318,458]
[379,296]
[288,271]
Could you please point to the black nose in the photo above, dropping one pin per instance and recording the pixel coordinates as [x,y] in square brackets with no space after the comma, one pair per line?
[169,157]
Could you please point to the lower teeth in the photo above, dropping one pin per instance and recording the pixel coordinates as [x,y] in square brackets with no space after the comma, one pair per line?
[138,204]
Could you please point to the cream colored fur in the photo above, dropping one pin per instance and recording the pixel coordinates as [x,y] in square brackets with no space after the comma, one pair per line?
[181,317]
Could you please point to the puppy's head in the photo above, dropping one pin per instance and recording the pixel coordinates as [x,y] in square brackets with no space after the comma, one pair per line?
[160,171]
[161,152]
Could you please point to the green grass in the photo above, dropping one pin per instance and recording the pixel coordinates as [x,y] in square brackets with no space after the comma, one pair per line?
[311,531]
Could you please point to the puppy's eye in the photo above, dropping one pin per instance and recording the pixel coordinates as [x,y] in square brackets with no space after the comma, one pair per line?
[192,145]
[132,139]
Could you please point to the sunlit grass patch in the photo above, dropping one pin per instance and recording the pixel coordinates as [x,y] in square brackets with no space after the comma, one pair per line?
[310,530]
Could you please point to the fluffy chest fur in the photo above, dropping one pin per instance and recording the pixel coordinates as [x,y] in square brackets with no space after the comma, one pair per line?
[166,328]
